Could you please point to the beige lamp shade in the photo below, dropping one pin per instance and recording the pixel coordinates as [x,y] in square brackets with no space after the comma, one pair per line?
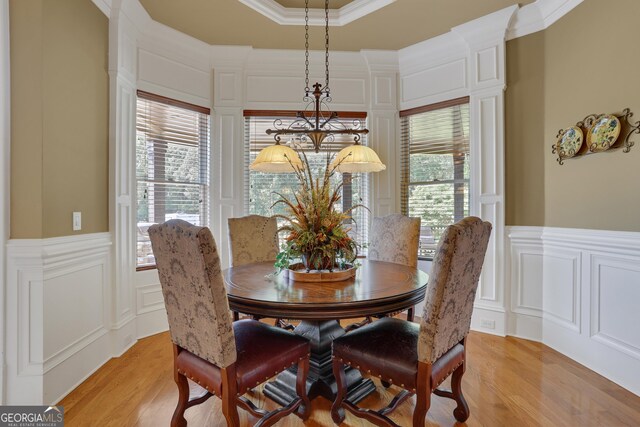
[357,158]
[276,159]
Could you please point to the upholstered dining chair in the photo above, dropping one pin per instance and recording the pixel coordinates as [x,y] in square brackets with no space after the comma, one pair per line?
[395,238]
[418,358]
[225,358]
[254,238]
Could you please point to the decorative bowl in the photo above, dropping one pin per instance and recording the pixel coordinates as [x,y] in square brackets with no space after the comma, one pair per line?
[298,273]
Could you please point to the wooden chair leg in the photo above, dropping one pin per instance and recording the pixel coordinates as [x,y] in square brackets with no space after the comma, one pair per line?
[410,314]
[236,316]
[178,419]
[229,404]
[423,394]
[301,389]
[461,413]
[337,411]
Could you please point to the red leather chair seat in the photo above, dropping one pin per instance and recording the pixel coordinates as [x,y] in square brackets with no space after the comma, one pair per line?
[388,348]
[263,351]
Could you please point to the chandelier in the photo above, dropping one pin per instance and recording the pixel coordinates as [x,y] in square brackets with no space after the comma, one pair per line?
[317,124]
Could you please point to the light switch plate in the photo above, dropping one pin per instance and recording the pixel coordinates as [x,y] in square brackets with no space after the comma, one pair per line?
[77,221]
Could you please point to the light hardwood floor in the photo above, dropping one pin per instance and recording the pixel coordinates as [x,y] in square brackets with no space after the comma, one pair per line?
[509,382]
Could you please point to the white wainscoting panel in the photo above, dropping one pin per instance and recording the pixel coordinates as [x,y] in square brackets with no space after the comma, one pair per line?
[445,80]
[167,77]
[273,90]
[561,287]
[151,316]
[58,324]
[228,180]
[577,291]
[615,295]
[384,183]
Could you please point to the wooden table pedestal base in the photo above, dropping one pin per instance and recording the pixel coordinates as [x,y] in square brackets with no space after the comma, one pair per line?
[321,381]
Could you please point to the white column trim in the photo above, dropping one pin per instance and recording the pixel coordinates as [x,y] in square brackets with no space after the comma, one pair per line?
[123,39]
[5,168]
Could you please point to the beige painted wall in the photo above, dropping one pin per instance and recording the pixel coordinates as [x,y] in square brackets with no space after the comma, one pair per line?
[59,117]
[584,63]
[26,118]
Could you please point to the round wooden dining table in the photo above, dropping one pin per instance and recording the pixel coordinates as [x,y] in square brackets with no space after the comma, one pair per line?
[378,288]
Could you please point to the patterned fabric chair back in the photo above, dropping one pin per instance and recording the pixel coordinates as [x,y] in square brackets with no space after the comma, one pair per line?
[253,238]
[395,238]
[452,287]
[193,290]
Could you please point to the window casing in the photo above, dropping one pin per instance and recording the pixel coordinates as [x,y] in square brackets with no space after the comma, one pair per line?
[261,188]
[172,166]
[435,167]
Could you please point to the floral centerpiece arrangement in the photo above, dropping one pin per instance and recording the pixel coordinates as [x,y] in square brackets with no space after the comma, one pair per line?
[317,234]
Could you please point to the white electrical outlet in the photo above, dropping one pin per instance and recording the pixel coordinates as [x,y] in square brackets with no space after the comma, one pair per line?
[77,221]
[488,324]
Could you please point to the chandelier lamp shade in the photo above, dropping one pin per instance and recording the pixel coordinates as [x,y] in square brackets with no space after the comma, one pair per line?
[316,126]
[357,159]
[277,158]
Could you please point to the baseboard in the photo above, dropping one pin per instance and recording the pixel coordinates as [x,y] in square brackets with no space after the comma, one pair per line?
[151,323]
[525,326]
[488,320]
[66,376]
[123,336]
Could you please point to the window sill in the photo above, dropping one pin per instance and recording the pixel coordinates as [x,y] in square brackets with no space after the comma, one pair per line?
[146,267]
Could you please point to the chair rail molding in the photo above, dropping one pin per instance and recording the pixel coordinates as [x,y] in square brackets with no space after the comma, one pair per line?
[576,291]
[5,173]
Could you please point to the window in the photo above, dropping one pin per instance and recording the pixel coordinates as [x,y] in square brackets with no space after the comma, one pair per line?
[435,167]
[260,187]
[172,166]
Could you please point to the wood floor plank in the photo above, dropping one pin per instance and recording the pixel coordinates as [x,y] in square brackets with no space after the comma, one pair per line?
[509,382]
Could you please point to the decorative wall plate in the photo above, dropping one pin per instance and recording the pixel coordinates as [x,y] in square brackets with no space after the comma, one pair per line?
[569,142]
[603,133]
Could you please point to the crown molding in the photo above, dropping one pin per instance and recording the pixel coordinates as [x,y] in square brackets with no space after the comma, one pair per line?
[538,16]
[295,16]
[529,19]
[104,6]
[489,27]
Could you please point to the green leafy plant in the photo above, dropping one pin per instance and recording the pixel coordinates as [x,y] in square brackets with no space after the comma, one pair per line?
[317,234]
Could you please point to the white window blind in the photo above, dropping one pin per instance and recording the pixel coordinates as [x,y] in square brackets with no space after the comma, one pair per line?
[435,167]
[172,166]
[260,187]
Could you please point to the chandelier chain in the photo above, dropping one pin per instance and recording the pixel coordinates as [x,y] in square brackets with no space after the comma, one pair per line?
[326,45]
[306,47]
